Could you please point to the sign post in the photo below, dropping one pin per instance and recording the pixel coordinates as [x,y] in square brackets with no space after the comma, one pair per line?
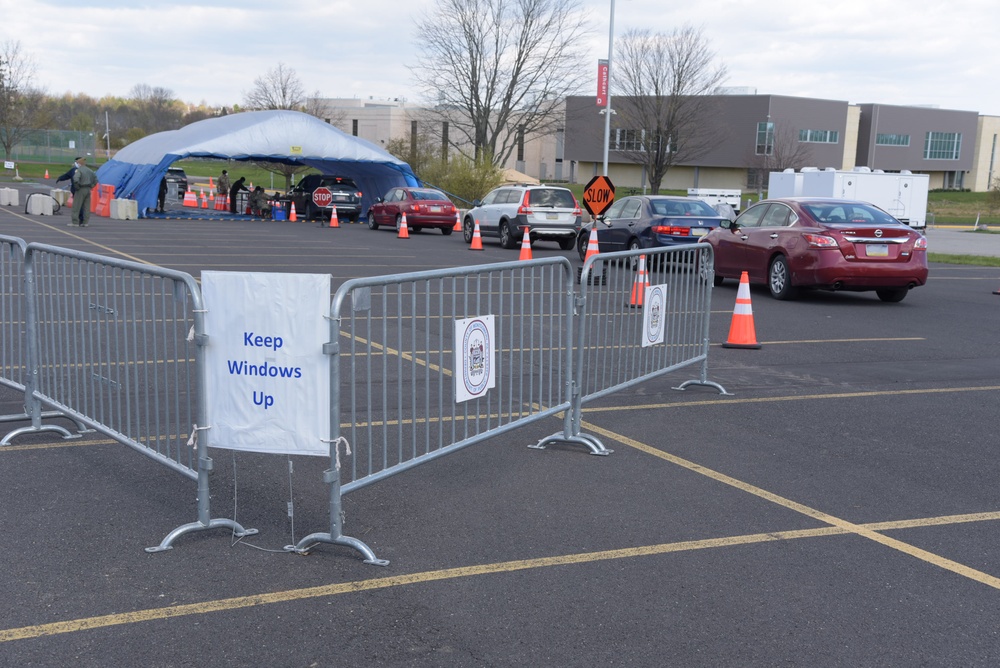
[598,195]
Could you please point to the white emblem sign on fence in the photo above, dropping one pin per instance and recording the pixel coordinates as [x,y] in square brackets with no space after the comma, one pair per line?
[268,381]
[475,357]
[654,312]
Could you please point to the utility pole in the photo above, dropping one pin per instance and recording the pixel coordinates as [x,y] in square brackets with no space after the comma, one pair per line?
[607,111]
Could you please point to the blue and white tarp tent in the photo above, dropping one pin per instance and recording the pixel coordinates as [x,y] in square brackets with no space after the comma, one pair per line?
[289,137]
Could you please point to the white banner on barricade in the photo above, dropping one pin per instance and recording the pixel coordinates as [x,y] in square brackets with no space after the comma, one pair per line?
[654,312]
[268,380]
[475,357]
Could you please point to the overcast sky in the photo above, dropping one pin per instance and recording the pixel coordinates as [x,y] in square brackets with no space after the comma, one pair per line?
[907,52]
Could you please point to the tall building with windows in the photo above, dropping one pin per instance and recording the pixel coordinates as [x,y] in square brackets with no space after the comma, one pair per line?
[755,134]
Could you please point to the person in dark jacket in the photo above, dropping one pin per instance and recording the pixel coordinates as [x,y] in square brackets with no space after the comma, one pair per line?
[68,176]
[161,197]
[235,191]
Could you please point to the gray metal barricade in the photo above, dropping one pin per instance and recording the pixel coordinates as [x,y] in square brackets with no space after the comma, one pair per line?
[14,333]
[610,354]
[119,348]
[393,373]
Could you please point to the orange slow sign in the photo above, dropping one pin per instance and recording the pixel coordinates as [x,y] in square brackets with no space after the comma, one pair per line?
[598,195]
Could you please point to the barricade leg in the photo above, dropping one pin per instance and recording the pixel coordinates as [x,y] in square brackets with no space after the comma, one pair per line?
[336,535]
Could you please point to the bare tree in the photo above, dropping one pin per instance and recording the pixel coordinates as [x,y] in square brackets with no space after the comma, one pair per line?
[783,151]
[155,108]
[21,103]
[663,82]
[500,69]
[278,88]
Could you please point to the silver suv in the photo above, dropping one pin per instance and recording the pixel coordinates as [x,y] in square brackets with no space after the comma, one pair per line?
[546,212]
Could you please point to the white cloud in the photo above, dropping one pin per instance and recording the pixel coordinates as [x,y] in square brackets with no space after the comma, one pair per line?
[888,51]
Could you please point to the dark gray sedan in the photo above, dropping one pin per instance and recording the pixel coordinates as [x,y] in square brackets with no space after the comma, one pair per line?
[651,221]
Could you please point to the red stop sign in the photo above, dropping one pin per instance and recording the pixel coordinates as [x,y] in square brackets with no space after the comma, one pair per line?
[322,196]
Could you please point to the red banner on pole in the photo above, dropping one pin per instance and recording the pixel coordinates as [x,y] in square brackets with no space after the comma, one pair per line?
[602,83]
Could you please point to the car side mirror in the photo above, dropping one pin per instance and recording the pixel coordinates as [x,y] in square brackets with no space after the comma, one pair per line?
[728,224]
[476,203]
[378,200]
[604,220]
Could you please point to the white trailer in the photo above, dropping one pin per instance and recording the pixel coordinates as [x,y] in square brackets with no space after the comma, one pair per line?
[714,196]
[902,195]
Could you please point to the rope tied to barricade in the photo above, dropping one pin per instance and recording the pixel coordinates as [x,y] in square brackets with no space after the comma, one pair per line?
[193,439]
[336,449]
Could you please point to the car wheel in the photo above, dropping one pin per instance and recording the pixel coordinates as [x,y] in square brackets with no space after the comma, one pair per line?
[718,280]
[468,229]
[779,279]
[891,294]
[567,244]
[308,214]
[399,222]
[582,242]
[372,225]
[506,236]
[447,230]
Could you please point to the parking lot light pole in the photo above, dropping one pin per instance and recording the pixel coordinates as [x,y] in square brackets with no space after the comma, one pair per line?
[607,111]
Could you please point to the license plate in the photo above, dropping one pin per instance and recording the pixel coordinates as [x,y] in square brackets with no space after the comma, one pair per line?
[435,209]
[698,231]
[552,216]
[877,250]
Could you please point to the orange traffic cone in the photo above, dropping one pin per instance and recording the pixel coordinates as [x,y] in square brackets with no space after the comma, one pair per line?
[228,202]
[46,173]
[211,186]
[525,246]
[190,199]
[741,331]
[593,248]
[477,238]
[291,214]
[333,218]
[458,222]
[404,230]
[640,284]
[204,200]
[69,200]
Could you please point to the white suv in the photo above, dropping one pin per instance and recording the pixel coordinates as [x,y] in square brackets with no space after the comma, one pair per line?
[547,212]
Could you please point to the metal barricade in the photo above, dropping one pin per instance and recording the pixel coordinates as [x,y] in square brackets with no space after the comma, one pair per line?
[610,351]
[393,395]
[14,332]
[119,348]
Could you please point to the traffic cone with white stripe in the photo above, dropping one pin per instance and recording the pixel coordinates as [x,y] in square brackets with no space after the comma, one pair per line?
[477,238]
[458,222]
[292,217]
[333,218]
[640,284]
[741,332]
[404,229]
[593,248]
[46,173]
[525,246]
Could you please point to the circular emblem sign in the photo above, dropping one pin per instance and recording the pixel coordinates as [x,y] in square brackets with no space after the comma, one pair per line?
[476,354]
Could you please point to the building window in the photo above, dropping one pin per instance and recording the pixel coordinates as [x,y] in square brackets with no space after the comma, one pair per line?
[942,145]
[892,140]
[819,136]
[765,138]
[629,140]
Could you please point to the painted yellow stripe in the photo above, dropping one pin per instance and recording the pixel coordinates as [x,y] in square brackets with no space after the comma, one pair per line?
[819,515]
[241,602]
[87,240]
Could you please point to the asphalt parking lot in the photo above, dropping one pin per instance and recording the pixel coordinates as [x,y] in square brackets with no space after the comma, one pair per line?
[841,508]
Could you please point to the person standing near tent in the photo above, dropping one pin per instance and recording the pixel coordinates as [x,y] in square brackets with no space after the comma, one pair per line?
[161,196]
[84,179]
[222,187]
[234,192]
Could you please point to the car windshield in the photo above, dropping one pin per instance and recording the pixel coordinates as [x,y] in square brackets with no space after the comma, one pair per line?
[556,198]
[427,194]
[694,207]
[853,213]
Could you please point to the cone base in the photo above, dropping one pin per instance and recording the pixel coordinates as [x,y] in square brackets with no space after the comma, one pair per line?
[749,346]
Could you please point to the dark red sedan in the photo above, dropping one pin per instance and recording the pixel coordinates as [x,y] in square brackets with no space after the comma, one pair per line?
[827,244]
[424,207]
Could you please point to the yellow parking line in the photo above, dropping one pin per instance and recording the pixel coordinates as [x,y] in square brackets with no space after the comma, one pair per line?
[255,600]
[850,527]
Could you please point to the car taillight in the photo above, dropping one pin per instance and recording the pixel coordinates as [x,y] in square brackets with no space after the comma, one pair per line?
[920,243]
[820,241]
[525,208]
[577,211]
[673,230]
[358,194]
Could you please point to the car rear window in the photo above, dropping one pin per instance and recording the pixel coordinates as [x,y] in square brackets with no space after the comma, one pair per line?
[427,194]
[667,207]
[556,198]
[853,214]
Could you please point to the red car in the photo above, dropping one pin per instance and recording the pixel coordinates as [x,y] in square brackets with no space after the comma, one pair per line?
[424,207]
[828,244]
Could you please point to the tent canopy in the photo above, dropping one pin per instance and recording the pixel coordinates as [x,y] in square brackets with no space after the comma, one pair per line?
[289,137]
